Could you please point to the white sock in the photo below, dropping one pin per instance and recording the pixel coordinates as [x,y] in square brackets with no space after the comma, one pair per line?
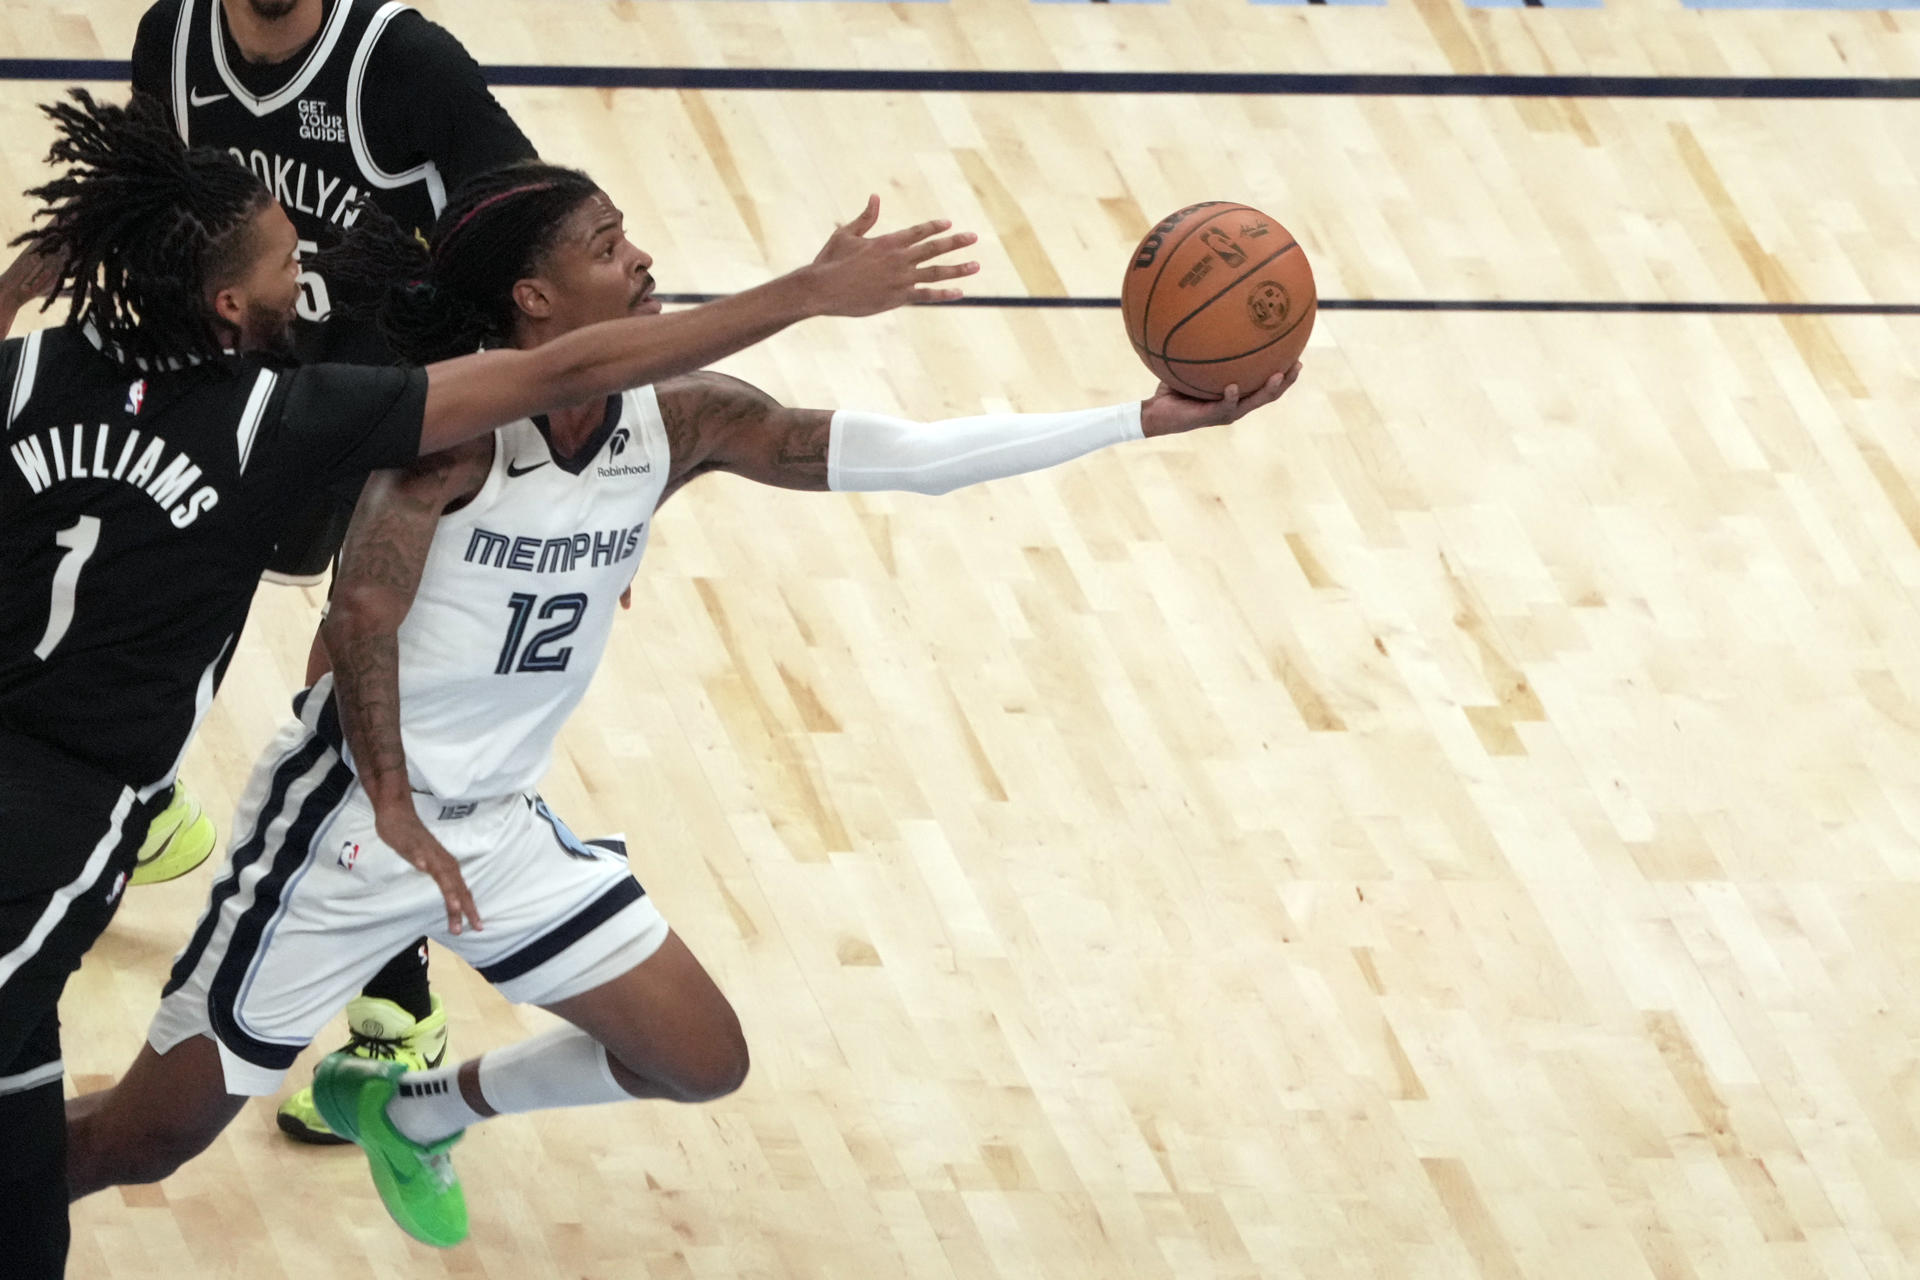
[429,1106]
[566,1067]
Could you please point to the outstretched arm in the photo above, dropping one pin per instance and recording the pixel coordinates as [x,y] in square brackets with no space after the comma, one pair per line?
[718,423]
[853,276]
[380,566]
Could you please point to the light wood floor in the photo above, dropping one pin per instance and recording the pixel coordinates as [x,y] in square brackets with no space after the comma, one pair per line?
[1460,823]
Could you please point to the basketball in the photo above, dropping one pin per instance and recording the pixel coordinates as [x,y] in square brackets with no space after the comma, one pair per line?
[1218,294]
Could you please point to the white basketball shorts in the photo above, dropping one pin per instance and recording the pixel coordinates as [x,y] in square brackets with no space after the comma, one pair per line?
[311,904]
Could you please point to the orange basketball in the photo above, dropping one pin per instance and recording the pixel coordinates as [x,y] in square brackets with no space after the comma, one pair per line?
[1218,293]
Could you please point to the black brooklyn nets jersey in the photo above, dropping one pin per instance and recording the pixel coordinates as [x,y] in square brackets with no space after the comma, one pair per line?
[136,513]
[381,103]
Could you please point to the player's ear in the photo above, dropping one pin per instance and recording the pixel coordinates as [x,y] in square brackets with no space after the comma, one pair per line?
[532,299]
[229,306]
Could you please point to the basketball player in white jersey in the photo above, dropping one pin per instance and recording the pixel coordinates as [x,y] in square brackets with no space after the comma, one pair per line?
[476,594]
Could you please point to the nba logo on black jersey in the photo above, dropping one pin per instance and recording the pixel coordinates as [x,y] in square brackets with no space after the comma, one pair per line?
[136,396]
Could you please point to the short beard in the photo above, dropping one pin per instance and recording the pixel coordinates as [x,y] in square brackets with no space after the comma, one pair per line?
[272,330]
[272,10]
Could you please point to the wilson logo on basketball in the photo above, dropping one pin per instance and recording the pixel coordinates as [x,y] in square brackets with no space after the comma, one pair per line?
[1150,247]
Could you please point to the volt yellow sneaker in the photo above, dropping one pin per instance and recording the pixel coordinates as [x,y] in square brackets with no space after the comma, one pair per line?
[379,1029]
[178,840]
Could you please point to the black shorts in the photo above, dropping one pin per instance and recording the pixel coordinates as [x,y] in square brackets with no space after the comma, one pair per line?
[68,838]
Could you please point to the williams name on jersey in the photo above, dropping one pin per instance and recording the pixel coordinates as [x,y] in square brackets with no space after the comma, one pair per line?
[110,451]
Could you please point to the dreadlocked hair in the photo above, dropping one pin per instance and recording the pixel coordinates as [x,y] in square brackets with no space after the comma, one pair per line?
[143,225]
[452,294]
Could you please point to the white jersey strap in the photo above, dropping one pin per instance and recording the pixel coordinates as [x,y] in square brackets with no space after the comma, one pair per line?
[426,171]
[182,39]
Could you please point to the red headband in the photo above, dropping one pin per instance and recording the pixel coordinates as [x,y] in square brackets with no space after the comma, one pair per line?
[493,200]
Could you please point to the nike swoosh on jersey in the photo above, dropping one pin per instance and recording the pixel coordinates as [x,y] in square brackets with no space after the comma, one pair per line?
[193,97]
[512,472]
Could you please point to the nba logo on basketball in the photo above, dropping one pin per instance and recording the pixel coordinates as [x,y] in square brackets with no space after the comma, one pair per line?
[136,396]
[349,854]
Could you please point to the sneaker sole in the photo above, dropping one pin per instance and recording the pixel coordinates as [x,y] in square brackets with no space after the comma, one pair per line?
[198,838]
[300,1131]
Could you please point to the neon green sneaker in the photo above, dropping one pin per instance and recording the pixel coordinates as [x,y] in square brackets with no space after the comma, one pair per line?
[178,840]
[379,1029]
[416,1182]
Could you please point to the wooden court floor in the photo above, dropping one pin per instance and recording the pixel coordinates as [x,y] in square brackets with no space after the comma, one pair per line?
[1460,823]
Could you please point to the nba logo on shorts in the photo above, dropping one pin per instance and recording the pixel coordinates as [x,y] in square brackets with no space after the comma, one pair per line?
[136,396]
[113,890]
[349,854]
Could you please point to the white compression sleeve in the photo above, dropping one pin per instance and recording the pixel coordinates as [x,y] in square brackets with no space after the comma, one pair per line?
[867,452]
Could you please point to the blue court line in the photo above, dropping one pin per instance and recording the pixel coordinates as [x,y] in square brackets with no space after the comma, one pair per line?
[1528,306]
[1316,2]
[1801,4]
[1185,82]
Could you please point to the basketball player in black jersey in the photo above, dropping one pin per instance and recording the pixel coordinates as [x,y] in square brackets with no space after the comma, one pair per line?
[328,102]
[153,448]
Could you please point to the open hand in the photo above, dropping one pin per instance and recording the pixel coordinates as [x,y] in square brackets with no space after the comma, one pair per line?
[857,276]
[407,836]
[1166,412]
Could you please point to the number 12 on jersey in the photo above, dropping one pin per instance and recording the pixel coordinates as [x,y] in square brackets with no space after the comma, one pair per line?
[571,608]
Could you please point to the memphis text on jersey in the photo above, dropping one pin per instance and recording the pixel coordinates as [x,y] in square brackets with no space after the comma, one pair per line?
[553,555]
[105,452]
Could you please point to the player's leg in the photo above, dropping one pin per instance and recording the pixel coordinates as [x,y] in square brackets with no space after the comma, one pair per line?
[70,836]
[167,1109]
[658,1029]
[569,929]
[661,1029]
[296,922]
[395,1017]
[33,1178]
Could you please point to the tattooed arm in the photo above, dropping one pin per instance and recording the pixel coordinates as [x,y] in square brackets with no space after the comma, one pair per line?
[380,567]
[717,423]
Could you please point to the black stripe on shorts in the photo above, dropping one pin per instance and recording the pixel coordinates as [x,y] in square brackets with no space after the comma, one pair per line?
[291,770]
[224,993]
[552,943]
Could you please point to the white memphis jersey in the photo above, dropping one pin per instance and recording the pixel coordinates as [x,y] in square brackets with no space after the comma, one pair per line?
[518,598]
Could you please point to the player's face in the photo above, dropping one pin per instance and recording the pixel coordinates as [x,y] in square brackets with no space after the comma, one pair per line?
[260,303]
[593,272]
[272,10]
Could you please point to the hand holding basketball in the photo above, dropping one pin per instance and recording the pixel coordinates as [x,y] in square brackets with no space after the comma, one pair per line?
[1166,412]
[1218,293]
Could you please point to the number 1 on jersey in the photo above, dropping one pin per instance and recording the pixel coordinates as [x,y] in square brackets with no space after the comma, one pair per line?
[79,539]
